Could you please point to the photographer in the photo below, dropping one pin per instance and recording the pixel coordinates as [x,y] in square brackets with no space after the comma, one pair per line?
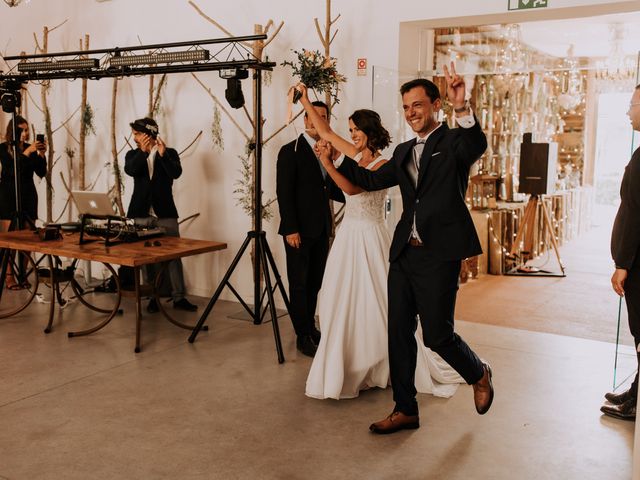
[154,167]
[31,159]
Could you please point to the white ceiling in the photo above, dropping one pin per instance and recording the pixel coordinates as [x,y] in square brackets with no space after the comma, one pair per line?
[590,36]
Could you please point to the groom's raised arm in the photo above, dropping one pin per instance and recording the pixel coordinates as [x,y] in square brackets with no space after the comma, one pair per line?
[369,180]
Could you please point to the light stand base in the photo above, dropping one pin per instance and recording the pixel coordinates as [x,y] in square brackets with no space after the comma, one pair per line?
[269,268]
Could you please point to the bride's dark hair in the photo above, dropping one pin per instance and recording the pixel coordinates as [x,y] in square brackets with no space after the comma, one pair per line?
[368,121]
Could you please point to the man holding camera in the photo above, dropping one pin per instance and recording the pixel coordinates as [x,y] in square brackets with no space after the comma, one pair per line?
[154,167]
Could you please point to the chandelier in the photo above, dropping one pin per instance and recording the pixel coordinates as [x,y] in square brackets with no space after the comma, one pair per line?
[570,82]
[15,3]
[617,67]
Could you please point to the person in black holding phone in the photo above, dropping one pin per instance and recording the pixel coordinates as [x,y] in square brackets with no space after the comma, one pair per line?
[31,158]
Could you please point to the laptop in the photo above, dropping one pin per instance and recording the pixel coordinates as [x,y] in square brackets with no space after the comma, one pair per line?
[93,203]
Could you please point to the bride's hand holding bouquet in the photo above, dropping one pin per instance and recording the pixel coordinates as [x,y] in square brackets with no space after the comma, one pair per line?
[317,72]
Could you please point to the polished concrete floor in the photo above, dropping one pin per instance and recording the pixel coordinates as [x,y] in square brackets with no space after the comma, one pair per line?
[223,408]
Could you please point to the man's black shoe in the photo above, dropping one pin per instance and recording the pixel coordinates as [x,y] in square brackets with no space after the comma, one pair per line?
[315,336]
[625,411]
[152,307]
[306,346]
[618,398]
[184,304]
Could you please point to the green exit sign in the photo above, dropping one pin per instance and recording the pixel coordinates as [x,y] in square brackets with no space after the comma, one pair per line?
[526,4]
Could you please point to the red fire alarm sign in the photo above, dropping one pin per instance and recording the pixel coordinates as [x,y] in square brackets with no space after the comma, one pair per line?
[361,65]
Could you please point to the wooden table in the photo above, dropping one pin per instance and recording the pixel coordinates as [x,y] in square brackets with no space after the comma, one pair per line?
[132,254]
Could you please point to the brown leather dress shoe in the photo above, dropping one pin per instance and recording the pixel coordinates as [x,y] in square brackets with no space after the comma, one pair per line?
[619,398]
[394,422]
[483,391]
[625,411]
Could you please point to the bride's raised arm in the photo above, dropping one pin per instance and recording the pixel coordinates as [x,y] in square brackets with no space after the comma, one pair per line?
[322,126]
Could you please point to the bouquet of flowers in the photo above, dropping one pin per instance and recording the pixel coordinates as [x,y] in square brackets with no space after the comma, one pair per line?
[317,72]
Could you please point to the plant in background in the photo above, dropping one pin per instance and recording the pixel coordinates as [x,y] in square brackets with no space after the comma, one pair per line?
[87,119]
[216,129]
[245,189]
[317,72]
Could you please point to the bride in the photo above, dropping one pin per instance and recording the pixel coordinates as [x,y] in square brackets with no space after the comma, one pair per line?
[352,304]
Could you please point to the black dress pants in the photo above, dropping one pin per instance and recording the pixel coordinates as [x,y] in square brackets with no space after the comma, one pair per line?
[420,284]
[305,269]
[632,299]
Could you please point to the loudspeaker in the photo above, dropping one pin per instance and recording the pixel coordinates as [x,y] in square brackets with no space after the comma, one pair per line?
[537,166]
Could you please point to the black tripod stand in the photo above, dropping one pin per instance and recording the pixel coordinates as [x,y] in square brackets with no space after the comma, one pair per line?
[263,262]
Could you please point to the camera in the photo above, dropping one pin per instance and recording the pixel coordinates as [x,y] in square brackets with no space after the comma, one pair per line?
[40,137]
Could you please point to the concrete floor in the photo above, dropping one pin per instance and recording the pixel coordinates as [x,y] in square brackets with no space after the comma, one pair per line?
[223,408]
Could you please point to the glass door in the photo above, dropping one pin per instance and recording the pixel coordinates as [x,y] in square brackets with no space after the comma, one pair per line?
[625,361]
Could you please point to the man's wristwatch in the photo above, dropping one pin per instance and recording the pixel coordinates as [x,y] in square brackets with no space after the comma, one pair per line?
[464,108]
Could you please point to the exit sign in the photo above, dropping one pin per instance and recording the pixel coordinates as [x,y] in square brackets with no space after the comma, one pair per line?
[526,4]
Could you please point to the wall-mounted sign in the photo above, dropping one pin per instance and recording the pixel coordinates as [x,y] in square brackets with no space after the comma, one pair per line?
[526,4]
[361,65]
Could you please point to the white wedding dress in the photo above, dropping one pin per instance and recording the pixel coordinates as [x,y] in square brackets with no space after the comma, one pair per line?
[352,304]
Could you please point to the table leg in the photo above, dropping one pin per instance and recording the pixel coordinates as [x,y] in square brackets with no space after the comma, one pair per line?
[136,281]
[54,289]
[112,313]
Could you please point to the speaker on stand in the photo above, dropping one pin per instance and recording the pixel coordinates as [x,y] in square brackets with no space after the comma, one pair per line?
[537,178]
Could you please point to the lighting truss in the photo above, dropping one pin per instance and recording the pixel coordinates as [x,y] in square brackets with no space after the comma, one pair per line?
[233,53]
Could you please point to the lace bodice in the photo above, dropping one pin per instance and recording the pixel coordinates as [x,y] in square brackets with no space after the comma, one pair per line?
[367,206]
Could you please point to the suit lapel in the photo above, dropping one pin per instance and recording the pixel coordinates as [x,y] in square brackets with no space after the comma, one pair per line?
[429,147]
[405,152]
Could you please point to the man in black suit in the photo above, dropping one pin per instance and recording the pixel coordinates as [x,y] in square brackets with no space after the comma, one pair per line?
[153,167]
[304,190]
[434,234]
[625,250]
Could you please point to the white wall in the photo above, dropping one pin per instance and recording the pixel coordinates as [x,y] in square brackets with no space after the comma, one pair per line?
[367,28]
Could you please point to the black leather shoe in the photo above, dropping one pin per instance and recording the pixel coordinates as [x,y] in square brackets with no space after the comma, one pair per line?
[306,346]
[184,304]
[315,336]
[625,411]
[618,398]
[152,307]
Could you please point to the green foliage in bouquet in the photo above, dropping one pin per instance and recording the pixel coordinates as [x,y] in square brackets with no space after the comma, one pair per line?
[317,72]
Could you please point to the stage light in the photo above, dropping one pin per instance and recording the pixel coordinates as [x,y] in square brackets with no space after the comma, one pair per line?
[234,73]
[79,64]
[156,58]
[233,93]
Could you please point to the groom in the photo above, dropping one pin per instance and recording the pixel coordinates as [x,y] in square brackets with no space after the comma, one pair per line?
[434,234]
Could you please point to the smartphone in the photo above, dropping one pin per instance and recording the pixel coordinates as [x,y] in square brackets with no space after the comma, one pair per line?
[40,137]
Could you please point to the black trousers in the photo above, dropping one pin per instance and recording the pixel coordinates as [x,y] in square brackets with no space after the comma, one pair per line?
[632,299]
[305,268]
[420,284]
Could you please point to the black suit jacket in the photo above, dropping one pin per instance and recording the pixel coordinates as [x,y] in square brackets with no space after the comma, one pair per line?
[625,236]
[303,193]
[152,192]
[442,217]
